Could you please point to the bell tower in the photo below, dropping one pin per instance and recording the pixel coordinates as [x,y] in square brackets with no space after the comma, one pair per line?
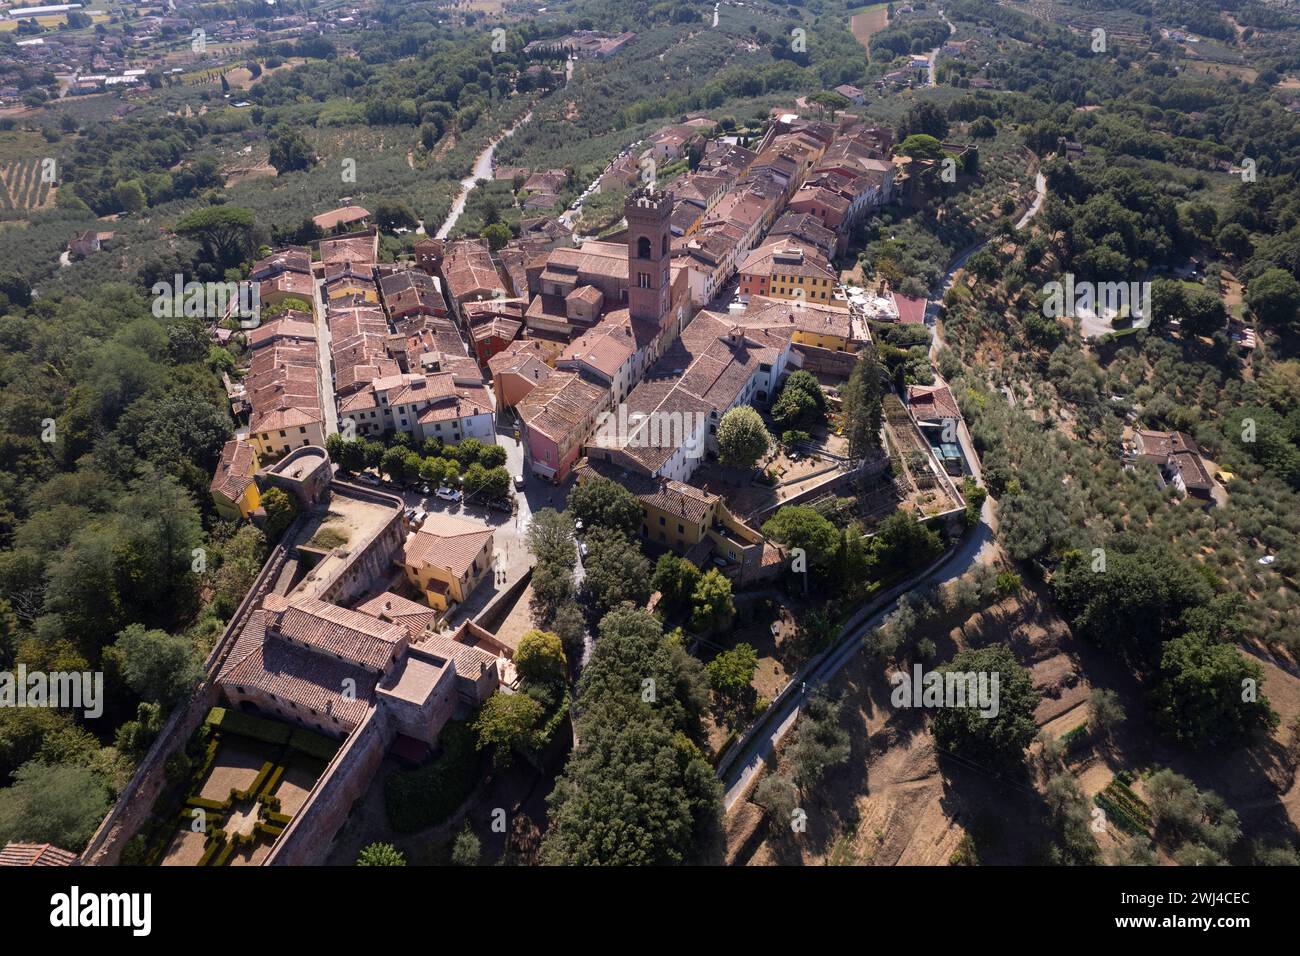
[649,239]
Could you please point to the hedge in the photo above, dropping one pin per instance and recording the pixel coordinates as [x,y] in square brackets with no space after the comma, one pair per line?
[313,744]
[247,725]
[210,851]
[416,799]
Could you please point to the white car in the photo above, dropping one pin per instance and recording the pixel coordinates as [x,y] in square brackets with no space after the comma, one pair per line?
[448,494]
[1267,559]
[582,549]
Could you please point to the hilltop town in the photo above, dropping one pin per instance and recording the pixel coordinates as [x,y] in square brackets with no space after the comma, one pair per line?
[623,433]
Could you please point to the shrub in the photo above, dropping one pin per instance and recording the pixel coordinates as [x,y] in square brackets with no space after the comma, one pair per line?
[421,798]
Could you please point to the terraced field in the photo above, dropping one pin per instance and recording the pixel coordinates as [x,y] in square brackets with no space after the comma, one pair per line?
[23,185]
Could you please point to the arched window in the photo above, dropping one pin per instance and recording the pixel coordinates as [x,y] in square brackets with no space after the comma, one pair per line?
[643,247]
[664,244]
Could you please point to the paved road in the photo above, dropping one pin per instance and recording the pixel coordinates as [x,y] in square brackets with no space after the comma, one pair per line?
[977,548]
[328,404]
[482,170]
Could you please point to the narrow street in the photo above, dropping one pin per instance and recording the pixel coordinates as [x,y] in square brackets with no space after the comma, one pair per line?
[329,406]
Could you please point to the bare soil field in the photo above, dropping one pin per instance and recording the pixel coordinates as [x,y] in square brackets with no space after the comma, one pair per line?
[898,802]
[868,22]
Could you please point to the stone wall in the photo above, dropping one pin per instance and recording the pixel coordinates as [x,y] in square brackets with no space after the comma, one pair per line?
[136,801]
[825,361]
[308,836]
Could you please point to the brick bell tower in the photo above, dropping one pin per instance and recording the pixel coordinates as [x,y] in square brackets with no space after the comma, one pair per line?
[649,243]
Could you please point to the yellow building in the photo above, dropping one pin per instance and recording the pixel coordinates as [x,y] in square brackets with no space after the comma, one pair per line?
[233,490]
[447,558]
[787,272]
[687,519]
[824,328]
[280,430]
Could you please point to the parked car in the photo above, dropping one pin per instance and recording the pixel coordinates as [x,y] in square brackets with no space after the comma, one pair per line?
[582,548]
[1268,559]
[448,494]
[577,525]
[370,480]
[501,504]
[519,482]
[423,488]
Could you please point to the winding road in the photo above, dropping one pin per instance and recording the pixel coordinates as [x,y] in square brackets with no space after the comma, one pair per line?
[978,547]
[482,170]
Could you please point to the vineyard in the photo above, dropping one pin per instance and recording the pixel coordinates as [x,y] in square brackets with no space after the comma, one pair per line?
[23,186]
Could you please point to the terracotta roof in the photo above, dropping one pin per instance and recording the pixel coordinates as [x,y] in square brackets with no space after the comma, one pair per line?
[291,283]
[562,406]
[394,608]
[932,402]
[469,661]
[235,469]
[446,542]
[262,661]
[329,629]
[910,311]
[342,215]
[36,854]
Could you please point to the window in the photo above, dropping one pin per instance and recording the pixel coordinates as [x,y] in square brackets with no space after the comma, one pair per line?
[662,521]
[643,247]
[643,280]
[681,528]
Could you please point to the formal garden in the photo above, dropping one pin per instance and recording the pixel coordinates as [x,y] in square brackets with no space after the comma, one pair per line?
[232,791]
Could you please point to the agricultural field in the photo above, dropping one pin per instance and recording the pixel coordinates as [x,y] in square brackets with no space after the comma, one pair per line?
[24,186]
[864,22]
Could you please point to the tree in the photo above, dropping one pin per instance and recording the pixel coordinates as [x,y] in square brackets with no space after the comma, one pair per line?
[902,541]
[50,803]
[675,579]
[1071,816]
[1274,298]
[602,503]
[540,660]
[567,621]
[224,233]
[497,235]
[1105,712]
[381,854]
[465,851]
[742,437]
[616,571]
[550,537]
[1132,602]
[391,215]
[731,674]
[820,742]
[508,723]
[861,405]
[281,510]
[711,605]
[290,151]
[970,731]
[920,146]
[1182,814]
[799,526]
[801,403]
[777,795]
[160,667]
[1208,693]
[925,117]
[638,790]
